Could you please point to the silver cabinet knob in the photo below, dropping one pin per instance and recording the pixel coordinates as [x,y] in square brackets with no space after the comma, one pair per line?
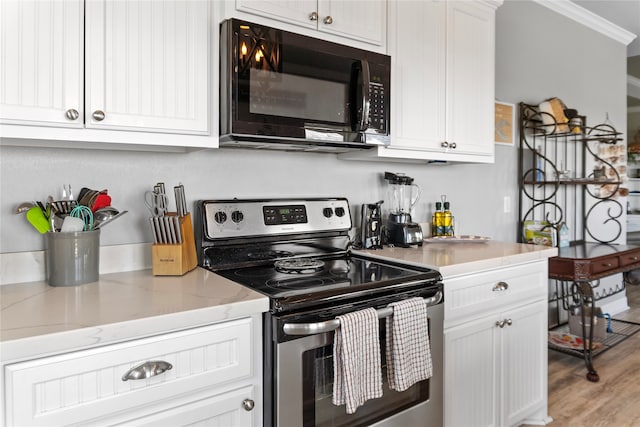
[503,323]
[313,16]
[444,144]
[328,20]
[98,115]
[147,370]
[453,145]
[72,114]
[500,286]
[248,404]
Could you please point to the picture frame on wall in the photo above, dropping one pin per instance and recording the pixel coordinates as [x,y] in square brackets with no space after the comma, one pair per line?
[505,123]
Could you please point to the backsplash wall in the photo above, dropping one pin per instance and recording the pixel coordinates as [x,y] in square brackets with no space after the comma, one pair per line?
[227,173]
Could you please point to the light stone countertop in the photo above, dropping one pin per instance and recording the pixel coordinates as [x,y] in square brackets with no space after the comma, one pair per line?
[37,319]
[454,259]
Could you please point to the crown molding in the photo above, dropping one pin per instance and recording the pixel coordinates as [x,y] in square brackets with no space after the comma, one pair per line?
[589,19]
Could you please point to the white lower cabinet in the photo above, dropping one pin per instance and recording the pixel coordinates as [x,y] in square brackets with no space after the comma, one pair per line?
[496,361]
[209,375]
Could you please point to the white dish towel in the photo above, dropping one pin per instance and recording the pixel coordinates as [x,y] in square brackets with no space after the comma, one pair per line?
[408,349]
[356,359]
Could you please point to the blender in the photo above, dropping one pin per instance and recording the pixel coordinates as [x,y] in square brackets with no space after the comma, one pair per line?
[401,230]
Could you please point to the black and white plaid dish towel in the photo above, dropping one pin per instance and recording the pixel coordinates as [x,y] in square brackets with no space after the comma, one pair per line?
[356,359]
[408,349]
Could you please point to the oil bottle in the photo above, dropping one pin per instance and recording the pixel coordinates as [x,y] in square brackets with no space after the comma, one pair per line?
[437,223]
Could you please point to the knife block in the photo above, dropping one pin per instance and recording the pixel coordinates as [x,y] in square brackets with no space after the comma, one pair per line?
[175,260]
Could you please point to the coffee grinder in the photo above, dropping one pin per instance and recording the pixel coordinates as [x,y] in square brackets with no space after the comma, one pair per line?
[401,230]
[371,225]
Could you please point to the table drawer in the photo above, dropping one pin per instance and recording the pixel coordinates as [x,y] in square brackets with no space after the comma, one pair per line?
[479,294]
[629,259]
[605,264]
[87,385]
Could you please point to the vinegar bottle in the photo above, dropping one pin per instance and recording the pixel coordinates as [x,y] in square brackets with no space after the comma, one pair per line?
[447,221]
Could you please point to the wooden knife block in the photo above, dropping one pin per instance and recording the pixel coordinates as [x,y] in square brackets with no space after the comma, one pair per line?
[175,260]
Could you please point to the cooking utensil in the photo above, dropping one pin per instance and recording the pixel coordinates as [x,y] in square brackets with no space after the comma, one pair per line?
[36,218]
[72,224]
[103,214]
[24,207]
[108,220]
[85,214]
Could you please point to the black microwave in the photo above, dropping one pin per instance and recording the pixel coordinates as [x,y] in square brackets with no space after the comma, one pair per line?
[284,90]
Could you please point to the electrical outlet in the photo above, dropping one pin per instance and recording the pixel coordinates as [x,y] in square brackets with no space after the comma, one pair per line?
[507,204]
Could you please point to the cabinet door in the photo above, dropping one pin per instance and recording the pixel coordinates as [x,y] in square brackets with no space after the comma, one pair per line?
[41,77]
[364,21]
[417,49]
[298,12]
[225,410]
[472,374]
[524,360]
[470,77]
[147,65]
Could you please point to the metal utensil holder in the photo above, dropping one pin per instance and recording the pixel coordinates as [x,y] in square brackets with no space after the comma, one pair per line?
[175,259]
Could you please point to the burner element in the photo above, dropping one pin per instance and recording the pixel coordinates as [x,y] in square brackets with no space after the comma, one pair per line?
[268,254]
[299,266]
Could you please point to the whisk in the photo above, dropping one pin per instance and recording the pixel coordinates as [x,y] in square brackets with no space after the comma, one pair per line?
[85,214]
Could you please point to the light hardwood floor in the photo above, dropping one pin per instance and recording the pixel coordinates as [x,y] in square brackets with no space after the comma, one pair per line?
[614,401]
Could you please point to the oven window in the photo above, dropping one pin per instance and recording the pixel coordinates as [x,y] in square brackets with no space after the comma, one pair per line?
[317,385]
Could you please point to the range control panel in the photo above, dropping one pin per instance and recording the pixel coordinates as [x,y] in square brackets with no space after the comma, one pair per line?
[288,214]
[243,218]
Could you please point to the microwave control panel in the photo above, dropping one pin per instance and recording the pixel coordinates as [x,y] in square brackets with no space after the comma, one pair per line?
[377,117]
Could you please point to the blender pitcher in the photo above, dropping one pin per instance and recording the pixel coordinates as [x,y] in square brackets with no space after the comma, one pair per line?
[404,193]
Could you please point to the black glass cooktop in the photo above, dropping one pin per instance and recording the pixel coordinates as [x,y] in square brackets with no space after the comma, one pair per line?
[326,279]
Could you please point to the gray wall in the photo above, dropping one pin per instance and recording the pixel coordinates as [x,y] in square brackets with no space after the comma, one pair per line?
[539,55]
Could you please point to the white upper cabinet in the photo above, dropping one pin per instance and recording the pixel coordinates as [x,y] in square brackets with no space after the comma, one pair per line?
[442,89]
[418,65]
[362,21]
[128,72]
[359,20]
[42,51]
[147,65]
[470,78]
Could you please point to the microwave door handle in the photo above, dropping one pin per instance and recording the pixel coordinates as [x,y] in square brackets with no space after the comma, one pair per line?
[333,324]
[366,101]
[359,103]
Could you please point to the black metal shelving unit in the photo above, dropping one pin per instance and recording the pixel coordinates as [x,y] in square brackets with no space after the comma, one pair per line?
[567,176]
[556,184]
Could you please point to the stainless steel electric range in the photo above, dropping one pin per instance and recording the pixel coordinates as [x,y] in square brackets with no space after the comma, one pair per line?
[297,252]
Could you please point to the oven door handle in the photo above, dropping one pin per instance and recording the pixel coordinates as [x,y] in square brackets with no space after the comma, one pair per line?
[332,325]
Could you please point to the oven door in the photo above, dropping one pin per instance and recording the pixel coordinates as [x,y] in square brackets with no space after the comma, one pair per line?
[303,385]
[285,85]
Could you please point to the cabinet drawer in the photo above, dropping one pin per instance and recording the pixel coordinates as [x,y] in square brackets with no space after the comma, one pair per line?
[87,385]
[473,295]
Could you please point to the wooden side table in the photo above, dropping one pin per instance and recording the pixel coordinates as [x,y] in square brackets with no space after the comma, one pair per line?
[584,263]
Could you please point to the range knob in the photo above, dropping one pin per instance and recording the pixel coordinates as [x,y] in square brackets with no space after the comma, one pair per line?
[340,211]
[237,216]
[327,212]
[220,217]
